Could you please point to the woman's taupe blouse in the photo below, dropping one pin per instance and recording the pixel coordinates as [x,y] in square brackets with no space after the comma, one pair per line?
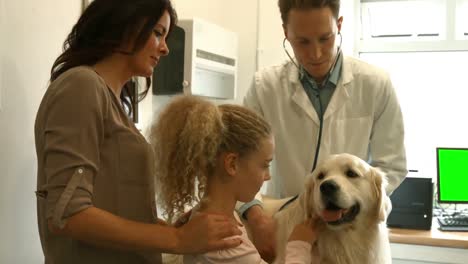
[89,154]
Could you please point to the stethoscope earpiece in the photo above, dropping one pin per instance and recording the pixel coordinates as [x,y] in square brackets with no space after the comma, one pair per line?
[287,53]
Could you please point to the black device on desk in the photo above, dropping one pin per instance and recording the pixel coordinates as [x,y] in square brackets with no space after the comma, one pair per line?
[412,204]
[452,183]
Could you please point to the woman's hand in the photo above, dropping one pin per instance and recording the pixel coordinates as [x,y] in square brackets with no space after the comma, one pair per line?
[306,231]
[207,232]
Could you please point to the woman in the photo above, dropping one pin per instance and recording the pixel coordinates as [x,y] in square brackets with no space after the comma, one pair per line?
[96,200]
[220,154]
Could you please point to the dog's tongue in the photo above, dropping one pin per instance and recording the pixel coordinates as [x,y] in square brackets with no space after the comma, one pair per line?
[333,215]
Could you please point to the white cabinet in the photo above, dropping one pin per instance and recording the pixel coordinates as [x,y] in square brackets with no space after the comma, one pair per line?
[415,254]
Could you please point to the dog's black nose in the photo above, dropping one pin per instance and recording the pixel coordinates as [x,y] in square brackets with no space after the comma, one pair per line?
[329,188]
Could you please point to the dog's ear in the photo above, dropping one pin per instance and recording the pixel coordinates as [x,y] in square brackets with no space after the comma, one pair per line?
[307,201]
[383,202]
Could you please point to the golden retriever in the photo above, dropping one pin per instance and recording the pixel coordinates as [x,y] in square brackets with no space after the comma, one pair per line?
[349,196]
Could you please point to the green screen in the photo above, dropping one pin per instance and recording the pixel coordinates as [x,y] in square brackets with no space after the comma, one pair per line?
[452,174]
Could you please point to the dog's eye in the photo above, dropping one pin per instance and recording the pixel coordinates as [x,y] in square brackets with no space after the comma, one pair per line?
[321,176]
[351,174]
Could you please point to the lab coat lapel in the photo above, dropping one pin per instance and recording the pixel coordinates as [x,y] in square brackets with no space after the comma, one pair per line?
[342,90]
[299,96]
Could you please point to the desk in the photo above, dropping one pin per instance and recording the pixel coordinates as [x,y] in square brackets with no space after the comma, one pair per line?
[428,246]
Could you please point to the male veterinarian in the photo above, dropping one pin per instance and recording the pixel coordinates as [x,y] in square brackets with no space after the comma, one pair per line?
[318,103]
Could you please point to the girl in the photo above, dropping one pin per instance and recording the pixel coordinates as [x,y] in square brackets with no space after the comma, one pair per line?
[95,170]
[216,156]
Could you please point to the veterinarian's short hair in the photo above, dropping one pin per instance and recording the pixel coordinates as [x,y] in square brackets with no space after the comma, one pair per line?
[286,5]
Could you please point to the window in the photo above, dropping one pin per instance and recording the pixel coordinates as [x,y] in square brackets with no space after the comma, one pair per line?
[403,20]
[424,47]
[462,20]
[413,25]
[432,92]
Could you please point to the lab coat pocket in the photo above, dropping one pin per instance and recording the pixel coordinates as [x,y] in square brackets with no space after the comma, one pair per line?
[352,135]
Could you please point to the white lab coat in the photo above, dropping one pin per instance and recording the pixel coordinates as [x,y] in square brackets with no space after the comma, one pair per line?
[363,118]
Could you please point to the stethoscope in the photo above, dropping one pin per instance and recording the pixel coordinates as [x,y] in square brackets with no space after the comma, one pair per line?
[319,138]
[301,72]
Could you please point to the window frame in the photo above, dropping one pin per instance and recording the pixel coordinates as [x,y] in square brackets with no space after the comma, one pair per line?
[448,40]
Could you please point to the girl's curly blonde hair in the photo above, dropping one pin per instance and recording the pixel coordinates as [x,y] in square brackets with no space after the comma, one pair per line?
[187,138]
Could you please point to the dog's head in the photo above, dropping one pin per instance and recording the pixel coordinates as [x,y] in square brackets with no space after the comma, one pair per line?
[345,189]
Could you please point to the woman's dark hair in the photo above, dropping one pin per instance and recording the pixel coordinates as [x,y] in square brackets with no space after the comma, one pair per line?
[102,29]
[286,5]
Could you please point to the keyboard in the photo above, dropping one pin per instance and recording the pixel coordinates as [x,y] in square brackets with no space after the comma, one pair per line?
[453,223]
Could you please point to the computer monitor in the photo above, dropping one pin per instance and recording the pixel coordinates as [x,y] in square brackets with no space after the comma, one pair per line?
[452,175]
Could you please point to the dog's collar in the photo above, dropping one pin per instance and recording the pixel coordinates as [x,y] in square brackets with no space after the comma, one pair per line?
[288,202]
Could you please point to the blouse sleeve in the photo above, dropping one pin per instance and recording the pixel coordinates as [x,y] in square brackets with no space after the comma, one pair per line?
[73,130]
[298,252]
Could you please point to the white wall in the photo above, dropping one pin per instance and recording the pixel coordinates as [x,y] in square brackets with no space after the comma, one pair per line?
[31,35]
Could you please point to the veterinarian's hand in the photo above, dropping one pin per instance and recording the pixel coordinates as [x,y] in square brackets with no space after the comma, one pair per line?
[207,232]
[307,231]
[262,229]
